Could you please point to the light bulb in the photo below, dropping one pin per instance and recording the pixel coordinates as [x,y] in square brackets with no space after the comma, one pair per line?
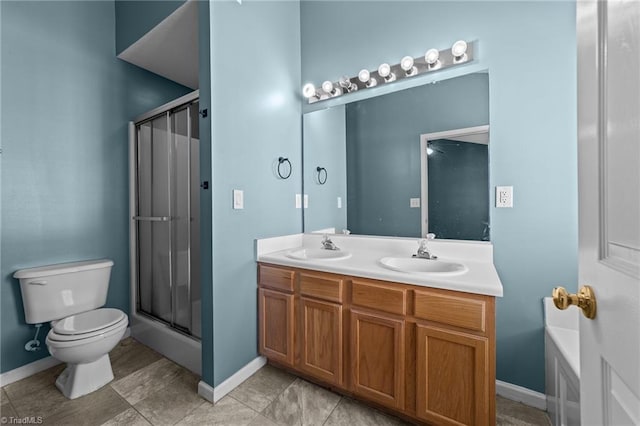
[429,150]
[459,49]
[328,87]
[406,64]
[365,77]
[431,57]
[308,91]
[384,70]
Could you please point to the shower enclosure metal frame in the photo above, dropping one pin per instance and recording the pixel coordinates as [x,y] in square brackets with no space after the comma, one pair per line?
[156,333]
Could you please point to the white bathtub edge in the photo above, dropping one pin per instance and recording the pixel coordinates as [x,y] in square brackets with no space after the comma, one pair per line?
[521,394]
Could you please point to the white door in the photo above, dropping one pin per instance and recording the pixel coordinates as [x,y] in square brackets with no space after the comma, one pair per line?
[609,208]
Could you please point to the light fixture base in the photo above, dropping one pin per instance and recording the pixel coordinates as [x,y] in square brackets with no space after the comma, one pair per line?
[445,60]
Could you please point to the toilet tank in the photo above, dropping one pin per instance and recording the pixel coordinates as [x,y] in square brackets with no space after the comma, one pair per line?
[57,291]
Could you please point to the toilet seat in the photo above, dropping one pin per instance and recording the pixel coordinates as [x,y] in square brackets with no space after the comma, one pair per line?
[87,325]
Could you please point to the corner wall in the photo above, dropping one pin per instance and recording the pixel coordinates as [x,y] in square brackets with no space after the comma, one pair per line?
[66,102]
[529,49]
[255,118]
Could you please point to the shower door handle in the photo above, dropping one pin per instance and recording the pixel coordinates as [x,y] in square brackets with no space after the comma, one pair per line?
[153,218]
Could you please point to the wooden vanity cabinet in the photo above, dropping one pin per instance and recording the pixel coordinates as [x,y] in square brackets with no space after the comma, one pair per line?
[378,342]
[320,327]
[377,358]
[276,314]
[427,354]
[455,357]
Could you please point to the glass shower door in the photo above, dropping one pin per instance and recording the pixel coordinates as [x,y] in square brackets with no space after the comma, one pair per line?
[185,224]
[168,218]
[154,218]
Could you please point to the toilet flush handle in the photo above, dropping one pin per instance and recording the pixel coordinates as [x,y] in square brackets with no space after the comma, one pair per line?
[38,282]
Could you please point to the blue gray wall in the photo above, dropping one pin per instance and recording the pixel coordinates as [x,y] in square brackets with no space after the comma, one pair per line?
[136,18]
[255,116]
[383,149]
[533,132]
[325,146]
[66,102]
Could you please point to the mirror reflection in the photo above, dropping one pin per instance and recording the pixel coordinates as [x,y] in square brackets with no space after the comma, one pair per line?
[402,164]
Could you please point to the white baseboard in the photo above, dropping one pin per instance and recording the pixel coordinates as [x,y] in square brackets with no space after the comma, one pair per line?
[504,389]
[27,370]
[36,367]
[215,394]
[518,393]
[507,390]
[205,391]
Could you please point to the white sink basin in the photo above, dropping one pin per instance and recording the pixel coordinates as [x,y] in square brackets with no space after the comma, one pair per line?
[415,265]
[318,254]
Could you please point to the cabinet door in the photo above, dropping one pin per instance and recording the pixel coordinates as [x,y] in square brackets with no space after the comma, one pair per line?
[377,358]
[320,331]
[452,373]
[276,325]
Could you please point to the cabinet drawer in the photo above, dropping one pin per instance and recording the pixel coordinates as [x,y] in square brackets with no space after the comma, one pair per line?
[456,310]
[277,278]
[379,296]
[321,286]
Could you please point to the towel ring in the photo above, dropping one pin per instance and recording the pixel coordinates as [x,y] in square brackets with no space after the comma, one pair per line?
[281,161]
[322,181]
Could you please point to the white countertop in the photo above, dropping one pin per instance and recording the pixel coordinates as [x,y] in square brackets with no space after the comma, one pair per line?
[481,277]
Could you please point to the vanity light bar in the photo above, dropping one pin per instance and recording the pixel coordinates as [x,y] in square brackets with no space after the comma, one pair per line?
[433,60]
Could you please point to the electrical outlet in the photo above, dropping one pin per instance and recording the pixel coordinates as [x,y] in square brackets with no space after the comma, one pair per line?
[414,203]
[238,199]
[306,201]
[298,201]
[504,196]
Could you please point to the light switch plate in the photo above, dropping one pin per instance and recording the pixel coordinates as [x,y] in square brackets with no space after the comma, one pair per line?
[504,196]
[238,199]
[298,201]
[339,202]
[414,203]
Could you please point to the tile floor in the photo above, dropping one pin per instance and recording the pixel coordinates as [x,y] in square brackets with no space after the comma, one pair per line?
[150,390]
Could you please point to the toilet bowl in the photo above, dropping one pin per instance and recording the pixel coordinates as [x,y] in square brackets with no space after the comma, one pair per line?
[83,342]
[82,333]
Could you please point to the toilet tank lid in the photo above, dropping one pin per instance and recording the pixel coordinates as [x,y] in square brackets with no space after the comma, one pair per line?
[62,268]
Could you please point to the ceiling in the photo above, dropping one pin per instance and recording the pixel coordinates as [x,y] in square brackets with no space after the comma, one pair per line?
[170,49]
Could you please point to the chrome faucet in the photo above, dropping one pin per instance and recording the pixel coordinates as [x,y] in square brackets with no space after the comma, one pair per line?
[327,244]
[423,250]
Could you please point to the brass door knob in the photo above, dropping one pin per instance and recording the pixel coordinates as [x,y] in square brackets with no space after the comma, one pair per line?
[585,300]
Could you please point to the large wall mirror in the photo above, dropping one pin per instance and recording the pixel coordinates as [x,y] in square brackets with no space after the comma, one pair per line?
[402,164]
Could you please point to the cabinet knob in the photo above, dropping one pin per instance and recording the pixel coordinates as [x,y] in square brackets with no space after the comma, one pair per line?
[585,299]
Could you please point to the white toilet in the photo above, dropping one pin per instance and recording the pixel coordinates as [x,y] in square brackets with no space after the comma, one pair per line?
[82,334]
